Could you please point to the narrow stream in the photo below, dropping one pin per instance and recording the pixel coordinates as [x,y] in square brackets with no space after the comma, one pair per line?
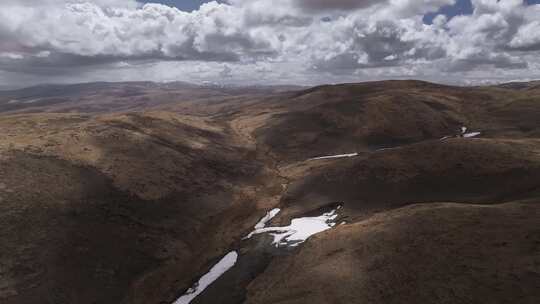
[255,257]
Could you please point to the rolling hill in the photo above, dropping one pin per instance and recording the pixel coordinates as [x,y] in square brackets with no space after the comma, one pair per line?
[130,192]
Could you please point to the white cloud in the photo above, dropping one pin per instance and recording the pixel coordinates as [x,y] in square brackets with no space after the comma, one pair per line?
[304,41]
[527,37]
[42,3]
[324,5]
[13,56]
[410,8]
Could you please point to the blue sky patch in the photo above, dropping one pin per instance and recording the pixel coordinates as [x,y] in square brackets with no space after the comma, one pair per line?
[185,5]
[462,7]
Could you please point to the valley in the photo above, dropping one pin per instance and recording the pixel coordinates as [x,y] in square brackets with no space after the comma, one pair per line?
[378,192]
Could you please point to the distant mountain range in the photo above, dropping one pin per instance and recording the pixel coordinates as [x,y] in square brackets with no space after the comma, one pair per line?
[119,96]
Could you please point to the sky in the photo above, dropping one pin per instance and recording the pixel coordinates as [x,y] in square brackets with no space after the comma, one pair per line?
[246,42]
[460,7]
[185,5]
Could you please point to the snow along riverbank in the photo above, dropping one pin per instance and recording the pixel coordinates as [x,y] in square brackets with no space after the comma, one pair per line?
[335,156]
[226,263]
[293,235]
[464,134]
[299,230]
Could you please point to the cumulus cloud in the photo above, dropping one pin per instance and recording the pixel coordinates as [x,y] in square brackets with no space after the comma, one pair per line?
[305,41]
[410,8]
[323,5]
[155,31]
[36,3]
[527,38]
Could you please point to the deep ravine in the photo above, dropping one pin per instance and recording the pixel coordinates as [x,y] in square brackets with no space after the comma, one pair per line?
[228,279]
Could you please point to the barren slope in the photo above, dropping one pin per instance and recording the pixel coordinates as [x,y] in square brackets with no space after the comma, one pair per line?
[131,205]
[443,253]
[114,200]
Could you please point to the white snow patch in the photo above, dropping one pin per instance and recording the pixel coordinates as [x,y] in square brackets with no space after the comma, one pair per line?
[335,156]
[267,218]
[386,149]
[299,230]
[13,101]
[446,137]
[472,134]
[264,220]
[463,134]
[226,263]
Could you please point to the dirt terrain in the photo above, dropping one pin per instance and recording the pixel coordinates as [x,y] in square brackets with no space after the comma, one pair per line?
[440,253]
[123,204]
[128,193]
